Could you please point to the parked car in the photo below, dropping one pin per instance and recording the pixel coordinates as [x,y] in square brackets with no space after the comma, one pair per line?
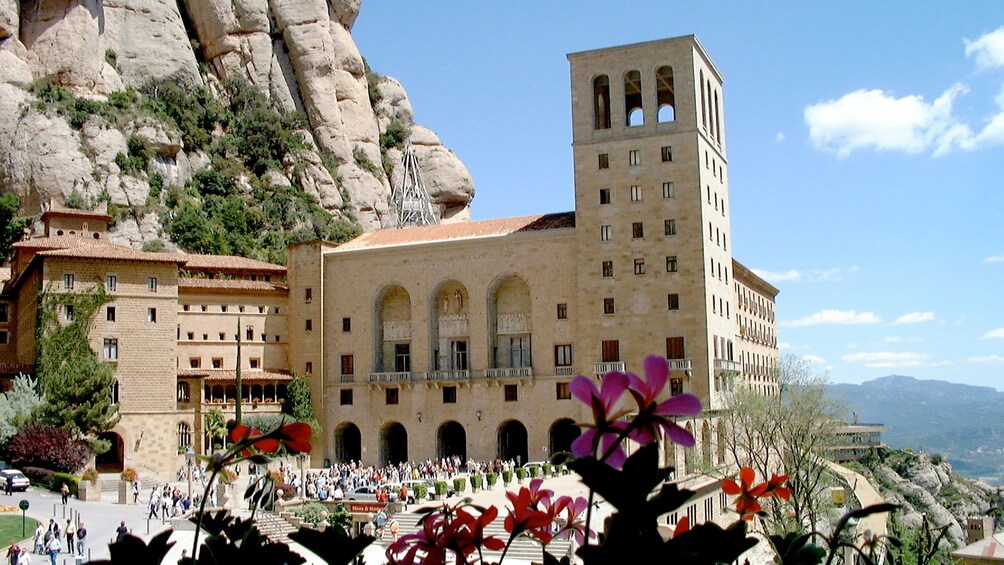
[534,464]
[20,481]
[363,494]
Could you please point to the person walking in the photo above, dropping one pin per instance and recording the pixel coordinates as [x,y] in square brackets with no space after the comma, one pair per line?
[9,485]
[154,502]
[135,492]
[65,492]
[24,556]
[121,532]
[71,532]
[39,538]
[81,536]
[53,548]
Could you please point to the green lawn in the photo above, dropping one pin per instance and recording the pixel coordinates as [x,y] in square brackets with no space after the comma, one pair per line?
[10,529]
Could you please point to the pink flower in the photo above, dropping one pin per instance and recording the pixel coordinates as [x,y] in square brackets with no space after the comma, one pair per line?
[604,433]
[575,523]
[653,415]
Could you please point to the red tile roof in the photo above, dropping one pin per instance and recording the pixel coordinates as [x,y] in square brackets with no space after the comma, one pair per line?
[228,284]
[116,252]
[199,262]
[466,230]
[231,375]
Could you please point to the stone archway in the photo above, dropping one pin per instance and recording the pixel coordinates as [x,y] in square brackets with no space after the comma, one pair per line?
[113,460]
[512,442]
[561,435]
[451,440]
[348,443]
[393,444]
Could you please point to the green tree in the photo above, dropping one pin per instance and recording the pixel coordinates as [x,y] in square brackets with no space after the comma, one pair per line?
[216,425]
[786,432]
[77,386]
[11,225]
[17,405]
[297,402]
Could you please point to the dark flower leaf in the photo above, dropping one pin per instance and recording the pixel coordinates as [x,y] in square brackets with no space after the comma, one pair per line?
[858,514]
[794,549]
[552,560]
[708,544]
[132,549]
[670,498]
[332,545]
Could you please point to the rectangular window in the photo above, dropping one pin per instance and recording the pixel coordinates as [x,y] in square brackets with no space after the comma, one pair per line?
[204,307]
[610,351]
[674,348]
[604,160]
[255,363]
[308,325]
[186,307]
[639,266]
[604,233]
[675,386]
[563,355]
[670,226]
[345,397]
[68,312]
[68,280]
[608,306]
[458,355]
[195,362]
[111,282]
[346,324]
[637,230]
[217,362]
[110,314]
[562,392]
[223,336]
[276,310]
[668,190]
[667,153]
[4,313]
[151,284]
[511,393]
[449,395]
[348,365]
[563,311]
[392,395]
[111,349]
[604,196]
[223,307]
[308,294]
[308,368]
[240,308]
[634,158]
[671,265]
[191,336]
[674,301]
[261,309]
[4,337]
[151,315]
[249,333]
[608,268]
[635,193]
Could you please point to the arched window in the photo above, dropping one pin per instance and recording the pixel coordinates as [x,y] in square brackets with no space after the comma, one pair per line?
[718,123]
[634,113]
[601,102]
[665,94]
[115,392]
[184,435]
[184,392]
[704,106]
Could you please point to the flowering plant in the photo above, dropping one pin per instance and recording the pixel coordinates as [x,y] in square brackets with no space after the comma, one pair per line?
[624,407]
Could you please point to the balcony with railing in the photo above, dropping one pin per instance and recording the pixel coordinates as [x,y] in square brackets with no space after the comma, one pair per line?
[392,377]
[509,373]
[564,371]
[346,378]
[449,375]
[728,365]
[681,364]
[600,368]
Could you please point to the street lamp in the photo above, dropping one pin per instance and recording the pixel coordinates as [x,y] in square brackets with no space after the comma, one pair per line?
[189,462]
[302,457]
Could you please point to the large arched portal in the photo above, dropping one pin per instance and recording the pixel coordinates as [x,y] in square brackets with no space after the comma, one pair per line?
[561,435]
[451,440]
[512,442]
[111,461]
[393,444]
[348,443]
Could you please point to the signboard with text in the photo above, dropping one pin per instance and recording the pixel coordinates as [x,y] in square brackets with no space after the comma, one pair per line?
[366,507]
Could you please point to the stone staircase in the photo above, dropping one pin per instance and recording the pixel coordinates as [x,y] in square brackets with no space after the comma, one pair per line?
[110,483]
[523,549]
[274,527]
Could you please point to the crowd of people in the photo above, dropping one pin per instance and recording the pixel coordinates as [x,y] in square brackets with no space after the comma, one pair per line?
[48,540]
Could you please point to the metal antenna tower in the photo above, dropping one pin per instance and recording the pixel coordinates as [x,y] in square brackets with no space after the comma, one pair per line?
[412,205]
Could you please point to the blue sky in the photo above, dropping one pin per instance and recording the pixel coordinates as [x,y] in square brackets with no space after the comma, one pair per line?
[865,142]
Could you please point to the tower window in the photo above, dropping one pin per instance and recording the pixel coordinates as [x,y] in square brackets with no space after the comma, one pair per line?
[604,160]
[604,233]
[635,114]
[674,301]
[635,193]
[667,154]
[608,269]
[670,226]
[562,311]
[639,266]
[604,196]
[608,306]
[601,102]
[671,264]
[637,230]
[668,190]
[665,94]
[634,158]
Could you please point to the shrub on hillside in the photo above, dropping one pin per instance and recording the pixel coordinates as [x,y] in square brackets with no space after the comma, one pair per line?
[48,447]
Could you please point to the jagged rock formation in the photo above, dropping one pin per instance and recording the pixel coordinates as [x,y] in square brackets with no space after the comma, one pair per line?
[926,484]
[299,53]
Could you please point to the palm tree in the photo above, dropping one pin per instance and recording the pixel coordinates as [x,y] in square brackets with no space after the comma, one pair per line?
[216,426]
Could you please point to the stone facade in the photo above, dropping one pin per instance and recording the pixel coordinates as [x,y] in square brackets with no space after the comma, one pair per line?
[462,338]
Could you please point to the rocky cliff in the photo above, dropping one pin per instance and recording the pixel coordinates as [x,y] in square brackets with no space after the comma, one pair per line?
[925,484]
[84,116]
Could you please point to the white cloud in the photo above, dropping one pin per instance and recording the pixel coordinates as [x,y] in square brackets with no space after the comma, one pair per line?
[987,359]
[779,137]
[915,318]
[994,259]
[988,49]
[782,345]
[834,317]
[994,334]
[833,274]
[815,359]
[887,359]
[898,339]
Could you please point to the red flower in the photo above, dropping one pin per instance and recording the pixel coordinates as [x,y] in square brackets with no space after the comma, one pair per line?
[295,437]
[470,531]
[747,504]
[682,526]
[524,517]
